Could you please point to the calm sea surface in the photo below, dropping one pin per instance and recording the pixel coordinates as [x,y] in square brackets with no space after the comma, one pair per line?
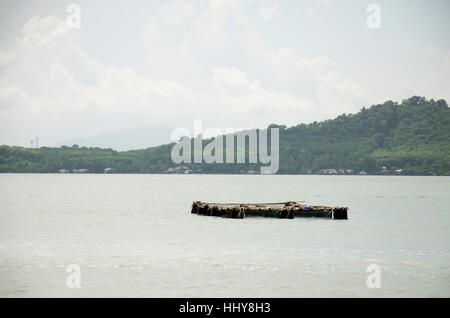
[133,235]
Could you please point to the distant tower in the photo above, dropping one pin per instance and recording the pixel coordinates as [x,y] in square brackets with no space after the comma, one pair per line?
[32,141]
[37,145]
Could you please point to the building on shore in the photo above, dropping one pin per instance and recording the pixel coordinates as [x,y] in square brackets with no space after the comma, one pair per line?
[328,171]
[80,170]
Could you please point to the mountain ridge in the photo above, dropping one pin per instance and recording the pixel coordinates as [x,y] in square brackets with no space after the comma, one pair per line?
[413,136]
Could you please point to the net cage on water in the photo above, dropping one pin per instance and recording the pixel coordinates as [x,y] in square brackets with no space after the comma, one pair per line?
[282,210]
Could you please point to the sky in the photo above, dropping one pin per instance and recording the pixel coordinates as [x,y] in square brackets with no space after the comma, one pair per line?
[230,63]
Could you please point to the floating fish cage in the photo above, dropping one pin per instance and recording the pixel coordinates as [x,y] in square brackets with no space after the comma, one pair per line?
[282,210]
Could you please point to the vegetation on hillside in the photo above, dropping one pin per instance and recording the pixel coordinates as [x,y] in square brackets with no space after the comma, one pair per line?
[413,136]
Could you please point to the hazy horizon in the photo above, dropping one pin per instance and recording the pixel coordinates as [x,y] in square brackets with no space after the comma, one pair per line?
[143,137]
[243,64]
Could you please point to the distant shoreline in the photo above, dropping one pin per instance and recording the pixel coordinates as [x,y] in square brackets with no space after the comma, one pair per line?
[221,174]
[408,138]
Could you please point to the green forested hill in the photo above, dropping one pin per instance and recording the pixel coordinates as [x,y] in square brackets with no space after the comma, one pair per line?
[413,136]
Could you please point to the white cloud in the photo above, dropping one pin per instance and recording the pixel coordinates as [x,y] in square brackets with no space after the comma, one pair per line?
[39,93]
[220,24]
[429,78]
[338,93]
[175,13]
[318,6]
[13,97]
[241,96]
[51,87]
[285,60]
[332,93]
[436,80]
[268,13]
[326,3]
[233,82]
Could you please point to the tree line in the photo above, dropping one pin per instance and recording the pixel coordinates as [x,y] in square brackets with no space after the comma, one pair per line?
[413,136]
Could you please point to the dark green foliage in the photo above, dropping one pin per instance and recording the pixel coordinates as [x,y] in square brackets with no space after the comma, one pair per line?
[413,136]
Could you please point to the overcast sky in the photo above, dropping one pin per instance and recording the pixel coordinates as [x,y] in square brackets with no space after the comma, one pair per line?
[229,63]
